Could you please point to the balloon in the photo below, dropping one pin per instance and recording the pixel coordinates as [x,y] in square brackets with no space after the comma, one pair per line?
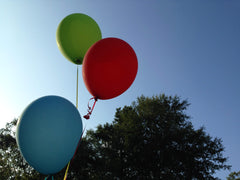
[109,68]
[75,34]
[48,133]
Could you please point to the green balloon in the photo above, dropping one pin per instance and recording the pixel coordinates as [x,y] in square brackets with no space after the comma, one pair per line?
[75,35]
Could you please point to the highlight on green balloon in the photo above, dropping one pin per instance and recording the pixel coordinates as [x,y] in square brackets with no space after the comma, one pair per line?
[76,33]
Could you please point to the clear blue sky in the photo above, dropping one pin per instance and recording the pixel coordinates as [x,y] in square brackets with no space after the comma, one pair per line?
[185,48]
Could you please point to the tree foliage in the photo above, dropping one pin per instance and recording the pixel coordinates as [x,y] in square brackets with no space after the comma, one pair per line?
[234,176]
[151,139]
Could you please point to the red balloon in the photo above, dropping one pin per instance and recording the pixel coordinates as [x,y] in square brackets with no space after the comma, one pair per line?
[109,68]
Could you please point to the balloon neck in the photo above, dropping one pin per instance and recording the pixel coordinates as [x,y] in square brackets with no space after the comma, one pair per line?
[78,61]
[90,109]
[49,178]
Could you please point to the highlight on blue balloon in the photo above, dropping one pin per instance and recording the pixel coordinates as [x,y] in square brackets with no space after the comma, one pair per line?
[48,133]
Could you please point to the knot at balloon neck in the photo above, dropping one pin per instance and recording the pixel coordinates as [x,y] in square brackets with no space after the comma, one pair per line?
[78,61]
[90,109]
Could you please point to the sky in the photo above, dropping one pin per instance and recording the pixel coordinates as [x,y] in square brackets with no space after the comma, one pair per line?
[188,48]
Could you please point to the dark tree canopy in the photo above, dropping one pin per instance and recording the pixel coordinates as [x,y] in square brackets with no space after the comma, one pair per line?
[154,139]
[151,139]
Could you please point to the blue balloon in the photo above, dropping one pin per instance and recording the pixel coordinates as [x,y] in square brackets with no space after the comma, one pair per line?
[48,133]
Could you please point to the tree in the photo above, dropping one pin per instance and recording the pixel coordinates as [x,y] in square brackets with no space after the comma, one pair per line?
[234,176]
[154,139]
[151,139]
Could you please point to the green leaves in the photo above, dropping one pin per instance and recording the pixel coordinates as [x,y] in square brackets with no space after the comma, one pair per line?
[234,176]
[153,138]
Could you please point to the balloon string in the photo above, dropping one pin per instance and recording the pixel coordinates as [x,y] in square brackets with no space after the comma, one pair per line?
[90,109]
[77,90]
[66,172]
